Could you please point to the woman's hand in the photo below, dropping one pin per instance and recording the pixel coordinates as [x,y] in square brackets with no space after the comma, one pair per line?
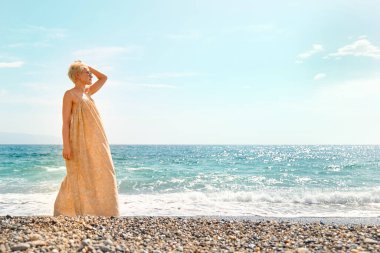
[66,153]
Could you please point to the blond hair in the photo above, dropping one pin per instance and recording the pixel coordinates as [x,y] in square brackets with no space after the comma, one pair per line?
[75,69]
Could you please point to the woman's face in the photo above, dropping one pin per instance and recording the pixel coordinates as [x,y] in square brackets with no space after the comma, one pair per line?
[85,76]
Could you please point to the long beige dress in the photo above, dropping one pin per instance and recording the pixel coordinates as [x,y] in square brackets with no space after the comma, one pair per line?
[89,187]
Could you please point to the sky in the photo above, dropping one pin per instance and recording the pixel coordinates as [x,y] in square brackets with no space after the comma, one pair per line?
[198,72]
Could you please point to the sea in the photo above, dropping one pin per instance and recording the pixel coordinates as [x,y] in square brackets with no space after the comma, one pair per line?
[222,180]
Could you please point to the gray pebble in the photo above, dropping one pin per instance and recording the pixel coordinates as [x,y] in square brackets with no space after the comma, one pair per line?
[104,248]
[108,242]
[371,241]
[20,246]
[86,242]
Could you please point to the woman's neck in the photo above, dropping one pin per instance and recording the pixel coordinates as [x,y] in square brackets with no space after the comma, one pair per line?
[80,87]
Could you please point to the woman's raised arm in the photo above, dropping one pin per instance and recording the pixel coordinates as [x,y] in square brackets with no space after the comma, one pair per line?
[102,78]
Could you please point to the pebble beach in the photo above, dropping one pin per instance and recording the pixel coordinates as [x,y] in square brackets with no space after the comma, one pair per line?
[184,234]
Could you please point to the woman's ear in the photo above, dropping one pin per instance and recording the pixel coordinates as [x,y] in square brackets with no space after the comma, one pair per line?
[76,77]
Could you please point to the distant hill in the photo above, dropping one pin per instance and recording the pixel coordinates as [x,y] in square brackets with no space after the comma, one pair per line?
[24,138]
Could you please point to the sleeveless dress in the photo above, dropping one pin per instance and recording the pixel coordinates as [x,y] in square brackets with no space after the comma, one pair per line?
[90,186]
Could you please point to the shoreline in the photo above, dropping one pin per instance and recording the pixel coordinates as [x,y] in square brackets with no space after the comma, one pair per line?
[256,218]
[326,220]
[188,234]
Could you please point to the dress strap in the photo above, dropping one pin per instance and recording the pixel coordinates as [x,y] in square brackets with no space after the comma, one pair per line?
[75,94]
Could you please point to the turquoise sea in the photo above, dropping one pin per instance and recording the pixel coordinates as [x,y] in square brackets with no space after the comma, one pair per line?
[232,180]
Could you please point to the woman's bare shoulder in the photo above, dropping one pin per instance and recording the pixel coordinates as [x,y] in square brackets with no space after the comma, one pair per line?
[69,94]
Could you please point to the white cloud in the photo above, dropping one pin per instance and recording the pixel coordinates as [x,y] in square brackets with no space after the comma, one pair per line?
[102,51]
[51,33]
[39,86]
[14,64]
[40,35]
[33,44]
[319,76]
[138,83]
[316,48]
[154,80]
[157,85]
[18,44]
[102,55]
[114,83]
[361,47]
[171,74]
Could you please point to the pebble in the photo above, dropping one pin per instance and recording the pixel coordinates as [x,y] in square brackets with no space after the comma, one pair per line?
[104,248]
[34,237]
[86,242]
[38,243]
[20,246]
[108,242]
[176,234]
[369,240]
[302,250]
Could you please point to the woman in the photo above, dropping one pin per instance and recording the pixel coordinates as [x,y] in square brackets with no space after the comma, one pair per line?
[89,187]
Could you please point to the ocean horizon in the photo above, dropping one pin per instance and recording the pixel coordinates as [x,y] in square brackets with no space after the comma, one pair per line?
[225,180]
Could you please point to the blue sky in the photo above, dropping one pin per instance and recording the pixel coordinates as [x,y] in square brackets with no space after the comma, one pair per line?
[198,72]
